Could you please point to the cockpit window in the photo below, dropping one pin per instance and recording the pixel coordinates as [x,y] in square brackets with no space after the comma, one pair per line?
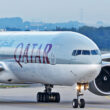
[74,52]
[94,52]
[86,52]
[78,52]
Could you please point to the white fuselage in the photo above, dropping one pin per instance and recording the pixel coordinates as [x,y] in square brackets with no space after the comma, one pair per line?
[46,57]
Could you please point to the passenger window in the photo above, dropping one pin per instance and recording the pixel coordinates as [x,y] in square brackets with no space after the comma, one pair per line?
[78,52]
[86,52]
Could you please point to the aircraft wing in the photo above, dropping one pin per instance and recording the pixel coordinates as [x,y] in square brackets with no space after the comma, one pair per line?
[6,75]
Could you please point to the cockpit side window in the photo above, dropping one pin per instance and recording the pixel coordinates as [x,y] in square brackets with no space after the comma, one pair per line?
[94,52]
[74,53]
[86,52]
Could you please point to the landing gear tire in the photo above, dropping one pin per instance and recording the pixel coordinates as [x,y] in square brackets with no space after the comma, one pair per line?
[55,97]
[45,97]
[75,103]
[82,103]
[42,97]
[48,96]
[39,98]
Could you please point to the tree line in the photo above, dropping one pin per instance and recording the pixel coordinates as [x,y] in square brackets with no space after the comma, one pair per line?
[101,35]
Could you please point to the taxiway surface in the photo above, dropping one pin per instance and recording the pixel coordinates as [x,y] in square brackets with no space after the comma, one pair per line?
[25,99]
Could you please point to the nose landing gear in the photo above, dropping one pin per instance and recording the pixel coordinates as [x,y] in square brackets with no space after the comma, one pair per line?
[80,102]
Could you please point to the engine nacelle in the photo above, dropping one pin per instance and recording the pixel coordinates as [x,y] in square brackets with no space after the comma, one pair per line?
[101,85]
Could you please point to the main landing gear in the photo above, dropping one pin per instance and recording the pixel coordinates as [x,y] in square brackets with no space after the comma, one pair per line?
[80,102]
[48,96]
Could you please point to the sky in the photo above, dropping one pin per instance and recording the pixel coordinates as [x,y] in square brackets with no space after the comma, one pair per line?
[88,11]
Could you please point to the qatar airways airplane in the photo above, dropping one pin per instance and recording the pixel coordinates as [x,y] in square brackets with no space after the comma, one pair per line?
[52,58]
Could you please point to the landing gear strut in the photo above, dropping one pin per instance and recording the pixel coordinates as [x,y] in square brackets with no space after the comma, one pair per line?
[80,102]
[47,95]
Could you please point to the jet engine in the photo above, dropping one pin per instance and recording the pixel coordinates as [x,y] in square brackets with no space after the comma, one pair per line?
[101,85]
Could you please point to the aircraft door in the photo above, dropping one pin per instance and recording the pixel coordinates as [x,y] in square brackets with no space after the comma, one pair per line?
[53,59]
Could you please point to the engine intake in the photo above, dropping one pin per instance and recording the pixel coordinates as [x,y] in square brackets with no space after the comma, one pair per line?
[101,85]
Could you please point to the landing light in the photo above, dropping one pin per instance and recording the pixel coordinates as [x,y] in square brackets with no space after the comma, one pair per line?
[86,86]
[80,87]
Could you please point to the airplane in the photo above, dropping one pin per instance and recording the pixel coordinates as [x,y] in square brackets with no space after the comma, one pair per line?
[53,58]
